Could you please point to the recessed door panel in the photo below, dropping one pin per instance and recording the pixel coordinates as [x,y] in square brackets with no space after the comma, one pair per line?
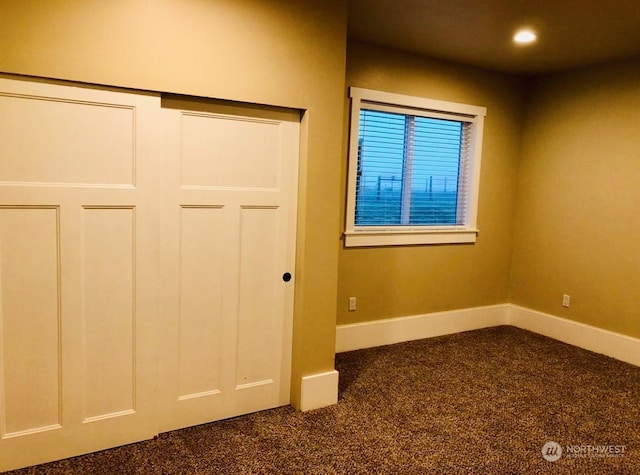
[30,320]
[201,274]
[229,151]
[108,311]
[62,140]
[260,308]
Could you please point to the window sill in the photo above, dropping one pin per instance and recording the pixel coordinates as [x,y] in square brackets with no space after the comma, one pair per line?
[409,238]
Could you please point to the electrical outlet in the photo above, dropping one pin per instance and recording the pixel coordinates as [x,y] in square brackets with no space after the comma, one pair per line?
[352,304]
[566,300]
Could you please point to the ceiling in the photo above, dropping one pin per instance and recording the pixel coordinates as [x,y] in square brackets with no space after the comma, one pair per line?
[571,33]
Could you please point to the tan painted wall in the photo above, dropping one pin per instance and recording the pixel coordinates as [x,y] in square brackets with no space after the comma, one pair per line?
[411,280]
[280,52]
[578,221]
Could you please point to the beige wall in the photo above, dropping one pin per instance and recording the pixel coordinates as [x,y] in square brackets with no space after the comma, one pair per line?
[578,221]
[280,52]
[411,280]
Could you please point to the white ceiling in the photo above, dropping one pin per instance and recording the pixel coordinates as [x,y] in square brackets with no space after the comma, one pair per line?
[571,33]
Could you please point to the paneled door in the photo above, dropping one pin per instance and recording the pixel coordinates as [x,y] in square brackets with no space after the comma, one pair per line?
[78,270]
[228,228]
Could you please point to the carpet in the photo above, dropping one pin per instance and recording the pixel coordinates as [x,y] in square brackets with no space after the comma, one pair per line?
[479,402]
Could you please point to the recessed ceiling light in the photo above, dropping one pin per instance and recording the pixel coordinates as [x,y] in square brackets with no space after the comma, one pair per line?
[525,37]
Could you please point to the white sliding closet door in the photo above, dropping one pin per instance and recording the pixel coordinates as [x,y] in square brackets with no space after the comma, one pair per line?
[143,244]
[228,223]
[78,270]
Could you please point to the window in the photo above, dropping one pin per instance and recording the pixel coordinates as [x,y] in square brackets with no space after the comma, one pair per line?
[414,168]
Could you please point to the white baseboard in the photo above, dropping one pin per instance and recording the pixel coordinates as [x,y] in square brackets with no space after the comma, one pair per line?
[395,330]
[615,345]
[319,390]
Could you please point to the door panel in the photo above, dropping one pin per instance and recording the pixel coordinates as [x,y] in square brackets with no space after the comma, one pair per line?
[77,141]
[210,143]
[201,295]
[258,311]
[30,297]
[108,311]
[229,209]
[78,270]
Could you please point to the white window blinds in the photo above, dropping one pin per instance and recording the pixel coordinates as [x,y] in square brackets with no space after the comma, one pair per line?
[411,170]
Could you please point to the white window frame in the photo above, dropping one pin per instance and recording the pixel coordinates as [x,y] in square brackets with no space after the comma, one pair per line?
[357,236]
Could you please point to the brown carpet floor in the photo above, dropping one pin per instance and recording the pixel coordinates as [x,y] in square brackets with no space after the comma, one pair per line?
[480,402]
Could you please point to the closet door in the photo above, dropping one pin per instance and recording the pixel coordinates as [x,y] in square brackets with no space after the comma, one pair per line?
[227,259]
[78,270]
[147,254]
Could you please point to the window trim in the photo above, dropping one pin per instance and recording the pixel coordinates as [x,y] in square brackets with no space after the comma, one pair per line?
[357,236]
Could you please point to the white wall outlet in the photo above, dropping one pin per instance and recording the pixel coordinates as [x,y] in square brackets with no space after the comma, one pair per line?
[566,300]
[352,304]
